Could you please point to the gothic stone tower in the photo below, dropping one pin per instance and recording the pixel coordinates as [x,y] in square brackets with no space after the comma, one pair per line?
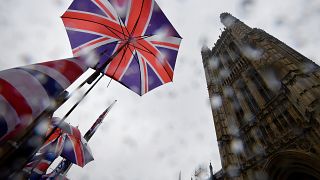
[265,103]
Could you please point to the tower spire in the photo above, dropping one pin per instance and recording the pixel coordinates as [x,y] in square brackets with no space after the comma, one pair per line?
[227,19]
[211,172]
[237,27]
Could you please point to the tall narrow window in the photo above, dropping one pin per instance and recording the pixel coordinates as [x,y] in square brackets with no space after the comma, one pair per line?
[261,86]
[237,109]
[235,52]
[253,105]
[227,59]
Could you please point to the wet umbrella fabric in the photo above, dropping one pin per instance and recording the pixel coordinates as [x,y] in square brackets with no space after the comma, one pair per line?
[66,141]
[136,32]
[75,148]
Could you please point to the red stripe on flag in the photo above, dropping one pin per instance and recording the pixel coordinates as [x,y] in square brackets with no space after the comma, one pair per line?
[43,166]
[17,101]
[165,73]
[76,132]
[89,44]
[113,66]
[105,9]
[69,69]
[136,7]
[165,44]
[143,17]
[94,27]
[78,150]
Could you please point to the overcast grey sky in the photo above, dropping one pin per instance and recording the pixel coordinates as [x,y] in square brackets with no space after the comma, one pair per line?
[170,129]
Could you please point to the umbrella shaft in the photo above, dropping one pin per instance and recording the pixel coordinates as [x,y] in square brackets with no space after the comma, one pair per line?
[104,65]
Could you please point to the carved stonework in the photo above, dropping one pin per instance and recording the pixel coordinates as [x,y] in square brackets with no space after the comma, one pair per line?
[270,105]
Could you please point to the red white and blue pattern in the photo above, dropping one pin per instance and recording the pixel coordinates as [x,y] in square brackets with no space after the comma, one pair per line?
[52,148]
[39,165]
[27,91]
[72,147]
[147,42]
[66,141]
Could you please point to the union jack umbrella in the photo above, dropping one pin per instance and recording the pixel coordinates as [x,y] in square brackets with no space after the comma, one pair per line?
[25,92]
[75,148]
[65,141]
[133,39]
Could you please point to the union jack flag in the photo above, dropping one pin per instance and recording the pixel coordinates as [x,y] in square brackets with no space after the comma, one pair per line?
[39,165]
[137,31]
[52,148]
[27,91]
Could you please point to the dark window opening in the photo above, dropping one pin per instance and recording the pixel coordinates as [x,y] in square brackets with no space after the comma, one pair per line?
[260,84]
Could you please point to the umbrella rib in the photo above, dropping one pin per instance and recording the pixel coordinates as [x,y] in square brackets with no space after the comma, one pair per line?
[109,28]
[148,51]
[125,50]
[135,25]
[139,48]
[122,25]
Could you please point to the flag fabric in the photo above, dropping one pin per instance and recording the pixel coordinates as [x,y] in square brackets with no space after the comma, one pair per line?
[66,141]
[146,42]
[76,150]
[25,92]
[97,123]
[75,147]
[60,170]
[65,164]
[53,176]
[39,164]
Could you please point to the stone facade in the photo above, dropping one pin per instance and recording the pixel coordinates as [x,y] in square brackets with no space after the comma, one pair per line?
[265,104]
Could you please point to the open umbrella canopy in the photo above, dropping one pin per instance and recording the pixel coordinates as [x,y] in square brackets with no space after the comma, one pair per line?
[74,147]
[67,142]
[134,41]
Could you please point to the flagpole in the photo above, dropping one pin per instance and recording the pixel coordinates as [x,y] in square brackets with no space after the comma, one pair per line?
[63,167]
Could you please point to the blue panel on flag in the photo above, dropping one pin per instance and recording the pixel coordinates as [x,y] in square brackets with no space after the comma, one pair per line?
[52,87]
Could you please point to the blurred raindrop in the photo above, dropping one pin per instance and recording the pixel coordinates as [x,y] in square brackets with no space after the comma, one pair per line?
[42,128]
[228,91]
[237,146]
[91,58]
[216,101]
[271,80]
[233,171]
[251,52]
[214,62]
[27,58]
[308,67]
[228,21]
[233,129]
